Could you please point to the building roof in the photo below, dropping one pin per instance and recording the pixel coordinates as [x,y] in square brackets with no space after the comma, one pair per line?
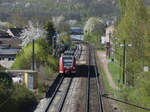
[2,46]
[16,31]
[12,42]
[4,35]
[76,30]
[9,51]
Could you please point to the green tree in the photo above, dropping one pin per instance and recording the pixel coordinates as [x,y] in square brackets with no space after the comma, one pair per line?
[94,24]
[122,5]
[93,30]
[61,24]
[65,39]
[49,27]
[134,28]
[5,86]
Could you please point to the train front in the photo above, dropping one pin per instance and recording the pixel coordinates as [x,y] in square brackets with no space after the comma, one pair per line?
[67,65]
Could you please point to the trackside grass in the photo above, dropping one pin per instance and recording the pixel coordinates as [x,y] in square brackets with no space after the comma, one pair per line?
[137,94]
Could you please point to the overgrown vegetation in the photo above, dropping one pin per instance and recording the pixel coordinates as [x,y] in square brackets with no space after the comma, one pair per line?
[46,64]
[46,60]
[42,56]
[65,39]
[93,30]
[138,94]
[114,70]
[14,98]
[134,28]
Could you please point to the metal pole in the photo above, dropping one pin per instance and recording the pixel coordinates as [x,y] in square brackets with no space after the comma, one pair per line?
[33,55]
[124,53]
[109,45]
[119,63]
[125,65]
[143,56]
[53,45]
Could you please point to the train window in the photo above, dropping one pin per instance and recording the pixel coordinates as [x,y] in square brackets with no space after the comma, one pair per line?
[67,61]
[67,64]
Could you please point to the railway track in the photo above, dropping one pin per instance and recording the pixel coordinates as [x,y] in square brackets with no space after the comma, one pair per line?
[61,100]
[58,98]
[93,97]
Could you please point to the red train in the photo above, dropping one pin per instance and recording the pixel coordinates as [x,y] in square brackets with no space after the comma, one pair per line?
[67,65]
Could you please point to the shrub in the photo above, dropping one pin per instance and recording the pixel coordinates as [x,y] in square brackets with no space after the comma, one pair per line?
[20,100]
[42,56]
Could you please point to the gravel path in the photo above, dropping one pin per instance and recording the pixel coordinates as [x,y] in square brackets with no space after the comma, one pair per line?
[109,105]
[104,61]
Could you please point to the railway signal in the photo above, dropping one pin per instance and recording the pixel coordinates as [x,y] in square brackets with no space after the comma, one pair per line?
[124,45]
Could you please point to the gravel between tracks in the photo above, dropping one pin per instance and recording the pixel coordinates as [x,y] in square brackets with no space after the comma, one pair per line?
[72,96]
[76,98]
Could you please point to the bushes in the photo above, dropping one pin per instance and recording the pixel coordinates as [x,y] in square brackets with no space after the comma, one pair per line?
[19,100]
[22,98]
[94,38]
[93,30]
[42,56]
[46,64]
[14,98]
[139,94]
[65,39]
[5,86]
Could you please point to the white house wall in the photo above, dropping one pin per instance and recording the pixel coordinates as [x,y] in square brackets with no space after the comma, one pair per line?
[6,63]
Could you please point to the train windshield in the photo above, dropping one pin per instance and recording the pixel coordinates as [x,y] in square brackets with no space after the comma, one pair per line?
[67,61]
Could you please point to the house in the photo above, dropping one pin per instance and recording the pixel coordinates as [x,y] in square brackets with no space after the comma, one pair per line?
[103,40]
[76,33]
[109,32]
[4,34]
[10,42]
[7,56]
[7,41]
[15,32]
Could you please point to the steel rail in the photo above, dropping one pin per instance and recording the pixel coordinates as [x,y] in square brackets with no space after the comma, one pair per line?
[88,83]
[66,91]
[98,85]
[64,97]
[53,96]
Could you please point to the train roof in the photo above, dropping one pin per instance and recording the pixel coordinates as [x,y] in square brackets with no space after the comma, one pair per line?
[68,56]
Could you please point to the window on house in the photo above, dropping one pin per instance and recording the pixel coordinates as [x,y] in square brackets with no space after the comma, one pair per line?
[10,59]
[1,58]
